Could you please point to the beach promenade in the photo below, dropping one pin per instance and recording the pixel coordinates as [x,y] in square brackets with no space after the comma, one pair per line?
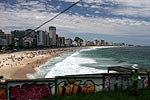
[16,65]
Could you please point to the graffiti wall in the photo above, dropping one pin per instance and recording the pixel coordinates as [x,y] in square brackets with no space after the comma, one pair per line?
[113,82]
[2,91]
[66,85]
[143,81]
[30,90]
[126,81]
[74,85]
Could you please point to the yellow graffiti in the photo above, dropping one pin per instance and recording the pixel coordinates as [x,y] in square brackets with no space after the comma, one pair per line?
[60,89]
[68,90]
[74,88]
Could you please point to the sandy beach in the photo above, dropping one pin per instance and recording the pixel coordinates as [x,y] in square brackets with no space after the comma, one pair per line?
[16,65]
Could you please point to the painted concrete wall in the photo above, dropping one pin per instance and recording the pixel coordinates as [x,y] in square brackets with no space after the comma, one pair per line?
[66,85]
[30,89]
[2,91]
[113,82]
[74,85]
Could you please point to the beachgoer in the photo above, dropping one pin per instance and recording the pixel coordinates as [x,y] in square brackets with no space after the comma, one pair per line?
[134,78]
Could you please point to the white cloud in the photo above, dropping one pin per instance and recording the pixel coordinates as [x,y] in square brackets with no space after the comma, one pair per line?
[85,5]
[111,26]
[94,6]
[76,23]
[92,1]
[125,7]
[133,8]
[69,0]
[97,12]
[87,1]
[80,5]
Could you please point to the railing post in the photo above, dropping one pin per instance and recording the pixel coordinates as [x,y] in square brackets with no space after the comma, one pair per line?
[103,82]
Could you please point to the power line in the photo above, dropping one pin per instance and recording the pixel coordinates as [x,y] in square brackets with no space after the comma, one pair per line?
[57,15]
[43,24]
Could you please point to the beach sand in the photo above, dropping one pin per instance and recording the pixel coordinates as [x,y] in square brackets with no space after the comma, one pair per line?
[29,68]
[18,64]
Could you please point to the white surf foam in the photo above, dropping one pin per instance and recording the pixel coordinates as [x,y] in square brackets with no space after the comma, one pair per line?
[89,49]
[30,76]
[72,66]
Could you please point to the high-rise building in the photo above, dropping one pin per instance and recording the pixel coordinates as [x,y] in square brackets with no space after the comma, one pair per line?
[68,42]
[102,42]
[5,39]
[30,38]
[16,37]
[57,40]
[24,38]
[47,39]
[61,41]
[52,35]
[41,38]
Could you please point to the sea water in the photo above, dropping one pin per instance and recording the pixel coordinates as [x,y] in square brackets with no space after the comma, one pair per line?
[94,60]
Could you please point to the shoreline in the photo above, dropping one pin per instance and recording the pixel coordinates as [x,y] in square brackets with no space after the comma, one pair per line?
[29,69]
[10,68]
[14,69]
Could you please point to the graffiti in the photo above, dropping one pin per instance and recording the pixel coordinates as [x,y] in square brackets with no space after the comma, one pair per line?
[29,91]
[75,86]
[34,90]
[144,81]
[107,83]
[114,82]
[2,93]
[126,81]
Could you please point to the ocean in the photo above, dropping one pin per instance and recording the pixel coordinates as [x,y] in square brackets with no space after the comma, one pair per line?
[94,60]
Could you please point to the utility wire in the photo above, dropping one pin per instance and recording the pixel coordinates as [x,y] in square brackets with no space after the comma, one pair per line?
[43,23]
[57,15]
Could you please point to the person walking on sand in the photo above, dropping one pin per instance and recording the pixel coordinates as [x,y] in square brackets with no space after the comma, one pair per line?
[134,78]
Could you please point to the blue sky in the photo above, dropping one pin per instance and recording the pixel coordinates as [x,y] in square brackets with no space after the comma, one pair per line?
[113,20]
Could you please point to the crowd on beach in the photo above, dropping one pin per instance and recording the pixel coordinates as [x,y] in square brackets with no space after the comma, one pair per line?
[14,60]
[13,65]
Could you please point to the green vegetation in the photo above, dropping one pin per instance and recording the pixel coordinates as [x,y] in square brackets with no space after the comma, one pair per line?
[1,32]
[142,94]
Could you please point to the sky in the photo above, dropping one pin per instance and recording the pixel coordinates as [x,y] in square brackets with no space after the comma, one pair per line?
[113,20]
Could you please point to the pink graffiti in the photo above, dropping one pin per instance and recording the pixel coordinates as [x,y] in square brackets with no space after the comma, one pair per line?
[107,83]
[15,93]
[29,91]
[23,94]
[145,82]
[45,91]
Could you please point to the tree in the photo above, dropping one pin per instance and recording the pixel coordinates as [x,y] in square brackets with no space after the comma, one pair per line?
[1,32]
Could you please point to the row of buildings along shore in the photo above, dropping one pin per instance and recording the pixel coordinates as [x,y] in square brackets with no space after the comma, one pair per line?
[34,39]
